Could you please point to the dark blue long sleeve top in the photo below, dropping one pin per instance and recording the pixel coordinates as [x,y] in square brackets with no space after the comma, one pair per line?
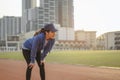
[36,44]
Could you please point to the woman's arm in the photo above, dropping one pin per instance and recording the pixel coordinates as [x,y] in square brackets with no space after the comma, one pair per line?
[35,45]
[47,48]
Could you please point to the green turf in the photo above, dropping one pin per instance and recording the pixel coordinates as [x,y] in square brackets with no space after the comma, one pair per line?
[11,55]
[95,58]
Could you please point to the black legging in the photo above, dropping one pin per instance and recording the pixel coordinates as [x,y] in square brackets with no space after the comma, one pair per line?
[26,54]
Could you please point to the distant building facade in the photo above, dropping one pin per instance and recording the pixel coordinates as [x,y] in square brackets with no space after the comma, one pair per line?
[109,41]
[87,36]
[34,17]
[50,11]
[64,13]
[58,12]
[39,16]
[65,33]
[26,4]
[9,25]
[70,45]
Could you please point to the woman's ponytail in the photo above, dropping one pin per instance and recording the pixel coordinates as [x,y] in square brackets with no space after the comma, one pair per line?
[39,31]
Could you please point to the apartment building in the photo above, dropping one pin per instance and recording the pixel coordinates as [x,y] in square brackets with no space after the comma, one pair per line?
[88,36]
[109,41]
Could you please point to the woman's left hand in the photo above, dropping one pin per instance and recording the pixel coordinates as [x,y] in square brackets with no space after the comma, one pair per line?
[31,65]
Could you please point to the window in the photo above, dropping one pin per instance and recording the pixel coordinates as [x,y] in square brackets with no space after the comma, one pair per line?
[52,4]
[40,22]
[46,1]
[51,18]
[51,13]
[40,17]
[47,10]
[52,0]
[52,8]
[46,6]
[41,12]
[46,15]
[46,20]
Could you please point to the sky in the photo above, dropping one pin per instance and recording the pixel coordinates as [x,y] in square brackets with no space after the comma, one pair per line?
[90,15]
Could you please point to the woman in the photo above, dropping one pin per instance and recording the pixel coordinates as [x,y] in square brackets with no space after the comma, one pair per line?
[37,47]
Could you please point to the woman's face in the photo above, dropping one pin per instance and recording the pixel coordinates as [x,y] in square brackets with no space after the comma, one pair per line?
[50,35]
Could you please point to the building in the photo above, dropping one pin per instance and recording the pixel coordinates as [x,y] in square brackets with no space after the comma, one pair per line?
[9,26]
[52,11]
[64,13]
[70,45]
[117,40]
[26,4]
[58,12]
[0,29]
[87,36]
[109,41]
[33,16]
[65,33]
[39,16]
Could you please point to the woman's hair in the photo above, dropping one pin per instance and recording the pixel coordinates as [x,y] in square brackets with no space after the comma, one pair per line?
[42,30]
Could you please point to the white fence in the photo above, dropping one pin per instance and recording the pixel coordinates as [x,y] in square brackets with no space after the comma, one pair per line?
[4,49]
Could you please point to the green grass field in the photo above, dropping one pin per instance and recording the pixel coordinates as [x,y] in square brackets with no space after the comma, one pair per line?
[94,58]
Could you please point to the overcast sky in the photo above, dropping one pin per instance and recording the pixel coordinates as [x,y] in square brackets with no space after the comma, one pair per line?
[99,15]
[93,15]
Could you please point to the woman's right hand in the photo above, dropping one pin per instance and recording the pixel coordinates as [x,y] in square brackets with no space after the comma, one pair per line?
[31,65]
[42,62]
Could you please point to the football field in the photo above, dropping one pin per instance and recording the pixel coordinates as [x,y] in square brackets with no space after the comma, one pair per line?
[109,58]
